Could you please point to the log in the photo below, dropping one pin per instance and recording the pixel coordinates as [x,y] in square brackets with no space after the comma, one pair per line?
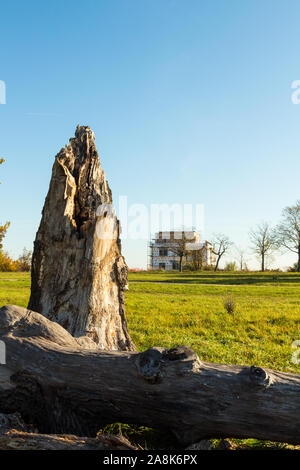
[62,387]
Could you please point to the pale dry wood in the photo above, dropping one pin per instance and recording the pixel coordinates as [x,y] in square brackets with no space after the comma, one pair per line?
[63,388]
[18,440]
[79,275]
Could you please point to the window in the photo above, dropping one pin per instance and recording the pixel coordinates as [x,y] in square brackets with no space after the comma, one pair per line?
[163,252]
[162,265]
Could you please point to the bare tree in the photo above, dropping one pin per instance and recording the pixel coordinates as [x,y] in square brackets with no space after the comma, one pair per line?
[288,230]
[197,258]
[241,257]
[23,263]
[180,248]
[221,245]
[263,241]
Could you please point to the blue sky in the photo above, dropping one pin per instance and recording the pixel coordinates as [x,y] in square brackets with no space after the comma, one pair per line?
[190,102]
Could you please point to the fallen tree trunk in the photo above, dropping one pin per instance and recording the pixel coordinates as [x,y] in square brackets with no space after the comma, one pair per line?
[62,387]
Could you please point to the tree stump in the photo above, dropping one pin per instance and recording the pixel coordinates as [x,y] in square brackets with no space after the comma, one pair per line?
[78,273]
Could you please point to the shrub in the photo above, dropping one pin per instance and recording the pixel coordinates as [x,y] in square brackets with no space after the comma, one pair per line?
[23,263]
[6,263]
[293,268]
[229,305]
[230,266]
[209,267]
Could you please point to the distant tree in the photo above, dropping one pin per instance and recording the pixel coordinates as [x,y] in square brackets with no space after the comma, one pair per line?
[288,230]
[7,264]
[293,268]
[23,263]
[221,245]
[246,267]
[3,228]
[230,266]
[263,241]
[180,249]
[241,257]
[197,258]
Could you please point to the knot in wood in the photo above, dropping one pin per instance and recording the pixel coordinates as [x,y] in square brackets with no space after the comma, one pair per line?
[149,364]
[156,363]
[178,354]
[259,376]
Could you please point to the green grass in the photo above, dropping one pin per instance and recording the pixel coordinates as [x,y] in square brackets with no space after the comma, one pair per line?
[170,309]
[210,277]
[14,289]
[260,332]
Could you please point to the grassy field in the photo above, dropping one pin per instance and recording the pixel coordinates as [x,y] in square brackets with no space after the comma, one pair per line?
[14,289]
[170,309]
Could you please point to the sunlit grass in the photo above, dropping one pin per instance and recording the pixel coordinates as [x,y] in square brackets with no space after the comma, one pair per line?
[261,330]
[14,288]
[170,309]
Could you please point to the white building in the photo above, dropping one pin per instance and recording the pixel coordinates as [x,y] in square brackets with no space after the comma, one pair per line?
[162,256]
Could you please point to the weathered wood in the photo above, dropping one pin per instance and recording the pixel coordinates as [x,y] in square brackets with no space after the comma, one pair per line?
[62,387]
[79,275]
[15,434]
[14,421]
[17,440]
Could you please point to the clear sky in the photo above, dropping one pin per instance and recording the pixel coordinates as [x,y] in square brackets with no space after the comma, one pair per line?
[190,102]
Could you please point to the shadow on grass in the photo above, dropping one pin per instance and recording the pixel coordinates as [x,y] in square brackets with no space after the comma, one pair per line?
[225,279]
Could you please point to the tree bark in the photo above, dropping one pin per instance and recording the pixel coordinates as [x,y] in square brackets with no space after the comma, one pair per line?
[217,263]
[262,262]
[18,440]
[78,273]
[180,263]
[63,387]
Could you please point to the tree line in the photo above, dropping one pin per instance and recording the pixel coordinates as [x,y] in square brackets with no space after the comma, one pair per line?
[265,240]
